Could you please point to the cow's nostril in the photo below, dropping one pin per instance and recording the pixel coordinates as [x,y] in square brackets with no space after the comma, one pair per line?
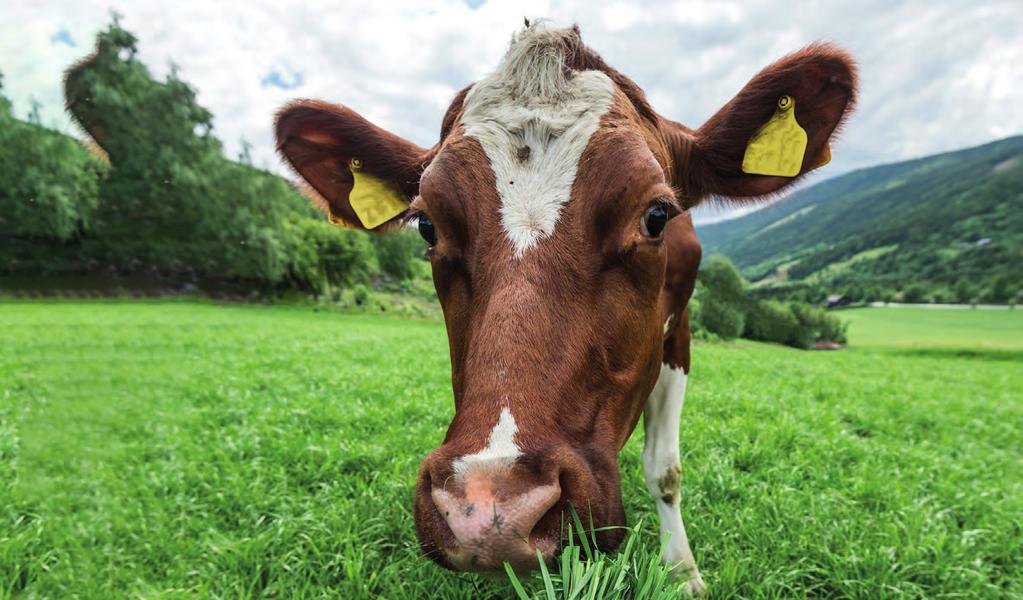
[491,530]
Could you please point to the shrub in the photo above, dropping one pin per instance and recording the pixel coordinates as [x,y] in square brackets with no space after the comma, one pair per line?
[49,184]
[361,294]
[325,255]
[914,293]
[720,317]
[723,280]
[775,322]
[398,251]
[724,309]
[819,325]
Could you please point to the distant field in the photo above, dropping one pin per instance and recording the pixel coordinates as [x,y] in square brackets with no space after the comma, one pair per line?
[900,327]
[182,450]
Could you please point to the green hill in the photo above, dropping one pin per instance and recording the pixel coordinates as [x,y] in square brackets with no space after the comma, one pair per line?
[947,227]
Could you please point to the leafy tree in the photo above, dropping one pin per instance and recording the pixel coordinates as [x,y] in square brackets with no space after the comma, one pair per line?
[49,189]
[1001,289]
[964,292]
[914,293]
[725,307]
[397,251]
[723,298]
[173,203]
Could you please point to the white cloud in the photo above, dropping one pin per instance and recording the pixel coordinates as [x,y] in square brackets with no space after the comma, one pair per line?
[935,76]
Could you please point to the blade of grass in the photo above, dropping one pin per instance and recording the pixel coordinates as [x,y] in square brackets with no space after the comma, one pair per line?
[547,583]
[514,579]
[582,533]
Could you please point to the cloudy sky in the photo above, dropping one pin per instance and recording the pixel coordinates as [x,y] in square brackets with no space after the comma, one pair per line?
[935,75]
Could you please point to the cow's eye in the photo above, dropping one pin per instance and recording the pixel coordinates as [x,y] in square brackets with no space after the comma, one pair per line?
[654,220]
[426,230]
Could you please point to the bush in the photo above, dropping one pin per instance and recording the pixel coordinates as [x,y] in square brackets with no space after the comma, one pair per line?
[914,294]
[325,255]
[775,322]
[723,280]
[361,294]
[724,309]
[720,317]
[398,251]
[819,325]
[49,192]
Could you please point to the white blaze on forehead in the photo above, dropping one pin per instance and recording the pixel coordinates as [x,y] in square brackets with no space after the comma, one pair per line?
[534,118]
[500,451]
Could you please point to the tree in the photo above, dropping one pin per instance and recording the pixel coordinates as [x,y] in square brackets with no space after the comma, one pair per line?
[49,188]
[964,292]
[1002,289]
[172,202]
[914,293]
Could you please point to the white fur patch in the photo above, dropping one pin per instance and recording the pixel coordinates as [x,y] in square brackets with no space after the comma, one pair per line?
[661,468]
[500,451]
[534,120]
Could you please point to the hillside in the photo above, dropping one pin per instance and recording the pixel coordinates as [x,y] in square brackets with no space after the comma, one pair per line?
[945,227]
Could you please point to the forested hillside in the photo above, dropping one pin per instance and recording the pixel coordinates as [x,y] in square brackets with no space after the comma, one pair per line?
[160,200]
[945,228]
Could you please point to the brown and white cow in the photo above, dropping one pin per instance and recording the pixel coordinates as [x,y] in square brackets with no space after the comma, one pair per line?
[555,206]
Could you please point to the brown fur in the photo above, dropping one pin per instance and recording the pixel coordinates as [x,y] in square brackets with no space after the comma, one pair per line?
[570,336]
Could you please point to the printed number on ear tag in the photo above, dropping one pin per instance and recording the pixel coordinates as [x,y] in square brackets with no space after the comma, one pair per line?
[373,200]
[777,148]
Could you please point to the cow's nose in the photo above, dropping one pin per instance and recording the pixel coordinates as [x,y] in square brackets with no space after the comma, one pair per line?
[492,526]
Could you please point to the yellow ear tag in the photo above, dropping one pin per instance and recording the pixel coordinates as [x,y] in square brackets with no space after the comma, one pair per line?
[777,148]
[373,200]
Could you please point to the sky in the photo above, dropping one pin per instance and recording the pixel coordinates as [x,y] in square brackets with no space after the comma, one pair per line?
[934,75]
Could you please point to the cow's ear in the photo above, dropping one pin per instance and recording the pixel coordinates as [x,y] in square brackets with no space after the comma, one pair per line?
[367,176]
[816,86]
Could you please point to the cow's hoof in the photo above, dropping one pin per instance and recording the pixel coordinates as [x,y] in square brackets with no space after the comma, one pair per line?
[695,587]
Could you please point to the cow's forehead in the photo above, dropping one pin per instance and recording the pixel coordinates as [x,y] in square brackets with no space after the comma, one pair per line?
[534,118]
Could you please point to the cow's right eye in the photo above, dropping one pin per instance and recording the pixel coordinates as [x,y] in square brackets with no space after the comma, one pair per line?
[426,230]
[654,221]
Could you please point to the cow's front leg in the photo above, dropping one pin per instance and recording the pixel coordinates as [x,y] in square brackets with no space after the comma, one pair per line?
[662,469]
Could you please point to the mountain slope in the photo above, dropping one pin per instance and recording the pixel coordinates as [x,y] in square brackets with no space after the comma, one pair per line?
[951,223]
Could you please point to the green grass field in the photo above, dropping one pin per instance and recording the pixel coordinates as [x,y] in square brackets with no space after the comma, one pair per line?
[937,328]
[181,450]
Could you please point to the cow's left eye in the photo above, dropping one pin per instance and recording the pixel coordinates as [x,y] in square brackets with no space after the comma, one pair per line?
[426,230]
[654,221]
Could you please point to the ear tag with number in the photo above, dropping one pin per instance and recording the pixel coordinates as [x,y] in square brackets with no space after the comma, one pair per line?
[777,148]
[373,200]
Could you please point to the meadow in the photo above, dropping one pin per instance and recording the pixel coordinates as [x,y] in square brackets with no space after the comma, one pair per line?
[180,449]
[935,328]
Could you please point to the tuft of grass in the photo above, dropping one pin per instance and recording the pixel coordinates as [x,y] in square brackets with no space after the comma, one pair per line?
[635,572]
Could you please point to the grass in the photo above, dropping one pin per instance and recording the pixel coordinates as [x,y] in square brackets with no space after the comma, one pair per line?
[182,449]
[935,328]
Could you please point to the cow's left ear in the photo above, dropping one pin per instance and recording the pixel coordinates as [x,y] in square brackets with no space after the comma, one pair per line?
[816,86]
[367,175]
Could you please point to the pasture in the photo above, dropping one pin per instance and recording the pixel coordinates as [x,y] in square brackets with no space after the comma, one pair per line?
[185,449]
[935,328]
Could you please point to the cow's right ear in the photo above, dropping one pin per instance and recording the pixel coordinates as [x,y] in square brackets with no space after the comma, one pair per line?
[367,176]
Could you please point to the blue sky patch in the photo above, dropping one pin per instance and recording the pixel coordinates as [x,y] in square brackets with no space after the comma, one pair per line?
[63,36]
[285,81]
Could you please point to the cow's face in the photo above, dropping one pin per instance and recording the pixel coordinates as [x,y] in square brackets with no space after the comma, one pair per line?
[548,209]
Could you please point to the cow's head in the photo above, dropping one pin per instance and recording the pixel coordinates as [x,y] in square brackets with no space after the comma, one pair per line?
[546,206]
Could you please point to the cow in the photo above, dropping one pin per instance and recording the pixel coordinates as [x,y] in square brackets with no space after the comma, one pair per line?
[556,208]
